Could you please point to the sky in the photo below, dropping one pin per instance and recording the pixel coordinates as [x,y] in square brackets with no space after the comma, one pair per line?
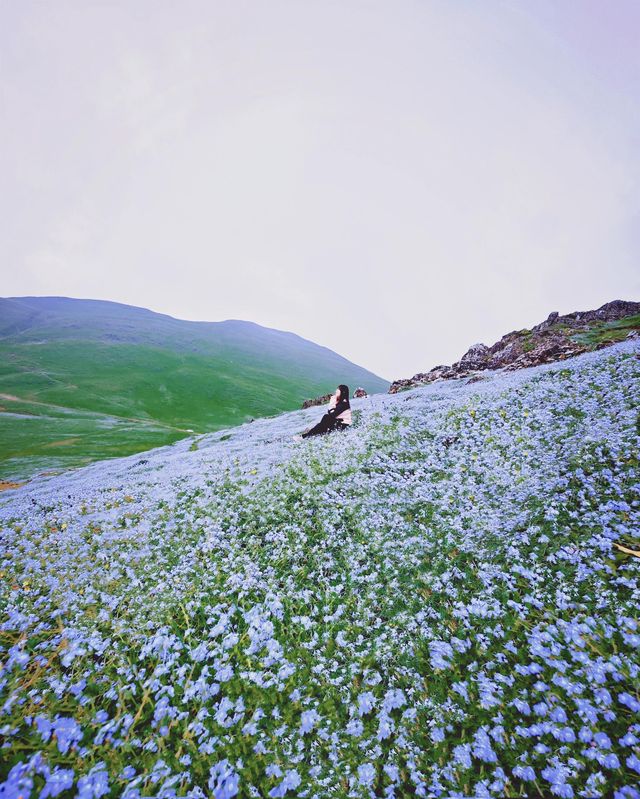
[393,180]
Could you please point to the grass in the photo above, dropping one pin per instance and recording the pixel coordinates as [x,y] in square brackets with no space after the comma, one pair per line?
[608,332]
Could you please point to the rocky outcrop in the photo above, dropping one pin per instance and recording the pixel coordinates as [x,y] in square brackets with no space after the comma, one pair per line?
[475,357]
[317,401]
[557,338]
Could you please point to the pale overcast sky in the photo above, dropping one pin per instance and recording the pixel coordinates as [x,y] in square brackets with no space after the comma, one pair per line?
[393,180]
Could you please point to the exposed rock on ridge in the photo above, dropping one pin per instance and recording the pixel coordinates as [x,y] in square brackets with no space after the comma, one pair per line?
[317,401]
[557,338]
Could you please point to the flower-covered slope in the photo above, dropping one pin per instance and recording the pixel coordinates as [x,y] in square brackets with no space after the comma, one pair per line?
[433,603]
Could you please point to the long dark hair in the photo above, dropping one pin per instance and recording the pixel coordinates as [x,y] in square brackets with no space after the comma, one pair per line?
[344,393]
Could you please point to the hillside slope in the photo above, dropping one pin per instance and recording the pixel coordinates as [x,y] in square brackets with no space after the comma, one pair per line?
[86,379]
[438,602]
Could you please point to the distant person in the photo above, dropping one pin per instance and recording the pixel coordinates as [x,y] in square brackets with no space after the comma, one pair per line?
[338,417]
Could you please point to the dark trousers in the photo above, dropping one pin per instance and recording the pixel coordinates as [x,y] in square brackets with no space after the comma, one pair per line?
[325,425]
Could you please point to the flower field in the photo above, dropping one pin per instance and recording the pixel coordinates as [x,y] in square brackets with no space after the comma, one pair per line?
[434,603]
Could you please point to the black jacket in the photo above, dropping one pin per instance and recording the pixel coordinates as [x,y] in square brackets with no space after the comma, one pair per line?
[341,406]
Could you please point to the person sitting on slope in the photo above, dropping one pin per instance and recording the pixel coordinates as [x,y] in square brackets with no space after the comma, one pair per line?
[338,417]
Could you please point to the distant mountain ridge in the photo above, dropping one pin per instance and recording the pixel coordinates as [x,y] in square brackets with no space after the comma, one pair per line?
[24,318]
[117,379]
[557,338]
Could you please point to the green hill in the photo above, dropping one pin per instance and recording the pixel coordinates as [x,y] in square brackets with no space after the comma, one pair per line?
[87,379]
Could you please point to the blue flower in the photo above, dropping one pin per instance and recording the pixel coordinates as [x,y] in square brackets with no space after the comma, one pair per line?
[57,781]
[437,734]
[394,698]
[366,774]
[585,735]
[630,701]
[626,792]
[44,727]
[19,782]
[522,706]
[385,726]
[290,782]
[308,720]
[67,732]
[565,734]
[482,747]
[633,762]
[602,740]
[559,786]
[223,780]
[393,772]
[558,714]
[95,784]
[462,755]
[525,773]
[366,703]
[441,652]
